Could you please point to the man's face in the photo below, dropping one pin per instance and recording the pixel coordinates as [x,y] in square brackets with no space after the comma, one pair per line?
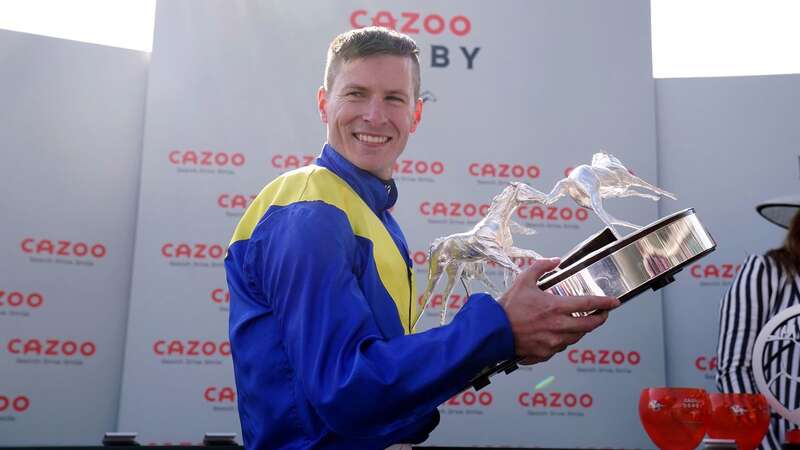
[370,111]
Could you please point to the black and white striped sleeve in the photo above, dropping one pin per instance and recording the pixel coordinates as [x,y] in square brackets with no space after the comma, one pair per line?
[743,312]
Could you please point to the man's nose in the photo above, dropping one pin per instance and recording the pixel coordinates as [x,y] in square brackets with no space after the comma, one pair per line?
[375,112]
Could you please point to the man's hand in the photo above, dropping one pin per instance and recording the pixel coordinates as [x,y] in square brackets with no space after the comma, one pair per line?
[542,322]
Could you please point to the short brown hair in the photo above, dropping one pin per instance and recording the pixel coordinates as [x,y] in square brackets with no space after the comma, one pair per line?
[369,41]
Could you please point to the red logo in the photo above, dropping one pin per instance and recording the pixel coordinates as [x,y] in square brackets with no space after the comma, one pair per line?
[719,271]
[216,394]
[552,213]
[412,22]
[705,363]
[604,357]
[527,212]
[418,167]
[420,258]
[51,347]
[163,347]
[205,158]
[470,398]
[19,404]
[234,201]
[555,400]
[16,299]
[220,296]
[455,301]
[503,170]
[287,162]
[192,251]
[62,248]
[453,209]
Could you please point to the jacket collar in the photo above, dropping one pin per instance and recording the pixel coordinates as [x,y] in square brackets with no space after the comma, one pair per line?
[377,194]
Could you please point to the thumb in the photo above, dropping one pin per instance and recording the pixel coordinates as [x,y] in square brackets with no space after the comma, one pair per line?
[540,267]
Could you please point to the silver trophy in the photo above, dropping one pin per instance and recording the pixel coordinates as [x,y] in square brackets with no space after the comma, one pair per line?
[465,255]
[607,263]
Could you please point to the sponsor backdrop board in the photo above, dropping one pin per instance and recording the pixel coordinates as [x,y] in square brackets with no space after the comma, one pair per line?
[231,104]
[71,145]
[725,145]
[516,91]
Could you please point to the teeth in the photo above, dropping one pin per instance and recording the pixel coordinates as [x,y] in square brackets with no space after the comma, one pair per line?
[371,139]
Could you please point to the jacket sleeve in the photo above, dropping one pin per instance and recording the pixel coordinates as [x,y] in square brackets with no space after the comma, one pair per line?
[360,383]
[743,312]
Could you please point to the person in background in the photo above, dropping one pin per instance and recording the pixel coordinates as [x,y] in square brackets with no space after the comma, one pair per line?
[765,285]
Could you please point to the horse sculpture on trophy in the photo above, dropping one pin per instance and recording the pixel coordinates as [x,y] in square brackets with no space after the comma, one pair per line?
[606,177]
[464,255]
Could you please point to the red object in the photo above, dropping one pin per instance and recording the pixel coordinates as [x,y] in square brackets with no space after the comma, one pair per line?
[674,418]
[793,436]
[742,417]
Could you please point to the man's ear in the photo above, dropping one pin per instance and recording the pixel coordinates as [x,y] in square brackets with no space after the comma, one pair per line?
[417,114]
[322,103]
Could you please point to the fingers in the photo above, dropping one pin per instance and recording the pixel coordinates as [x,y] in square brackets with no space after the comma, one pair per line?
[583,324]
[538,268]
[589,303]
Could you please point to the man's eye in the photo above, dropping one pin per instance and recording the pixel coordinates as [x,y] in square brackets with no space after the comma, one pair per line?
[395,98]
[355,94]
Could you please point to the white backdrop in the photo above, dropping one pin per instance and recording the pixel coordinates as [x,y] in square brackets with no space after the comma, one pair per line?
[70,131]
[529,90]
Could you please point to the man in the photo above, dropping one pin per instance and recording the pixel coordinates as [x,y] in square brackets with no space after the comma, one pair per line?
[322,289]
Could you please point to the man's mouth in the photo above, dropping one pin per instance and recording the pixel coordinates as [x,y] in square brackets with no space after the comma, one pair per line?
[371,138]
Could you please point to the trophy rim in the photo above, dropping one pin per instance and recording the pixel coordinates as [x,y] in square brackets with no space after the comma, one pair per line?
[609,249]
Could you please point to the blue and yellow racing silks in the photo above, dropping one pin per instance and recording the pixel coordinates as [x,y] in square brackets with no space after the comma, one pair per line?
[321,303]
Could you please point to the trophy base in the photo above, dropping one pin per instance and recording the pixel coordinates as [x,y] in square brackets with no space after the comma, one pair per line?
[623,268]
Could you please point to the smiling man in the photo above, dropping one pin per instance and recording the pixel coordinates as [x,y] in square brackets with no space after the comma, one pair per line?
[322,287]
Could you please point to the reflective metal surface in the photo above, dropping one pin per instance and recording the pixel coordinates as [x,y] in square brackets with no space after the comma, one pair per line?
[626,267]
[648,258]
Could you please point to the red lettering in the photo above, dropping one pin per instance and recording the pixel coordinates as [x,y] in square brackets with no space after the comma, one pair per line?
[16,299]
[191,347]
[19,403]
[384,19]
[355,16]
[470,398]
[704,364]
[568,400]
[408,25]
[603,357]
[434,24]
[460,25]
[420,258]
[221,159]
[224,394]
[220,295]
[205,158]
[69,348]
[50,347]
[62,248]
[25,245]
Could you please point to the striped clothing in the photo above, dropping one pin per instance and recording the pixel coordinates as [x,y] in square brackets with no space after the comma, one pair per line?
[760,291]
